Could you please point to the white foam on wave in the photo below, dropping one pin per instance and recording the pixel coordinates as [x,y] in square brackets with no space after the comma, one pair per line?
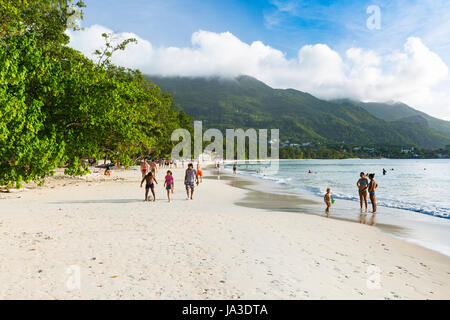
[419,207]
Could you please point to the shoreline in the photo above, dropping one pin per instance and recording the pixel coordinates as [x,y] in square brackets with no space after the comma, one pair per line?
[208,248]
[400,223]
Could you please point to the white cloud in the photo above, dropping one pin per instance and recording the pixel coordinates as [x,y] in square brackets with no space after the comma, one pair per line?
[414,75]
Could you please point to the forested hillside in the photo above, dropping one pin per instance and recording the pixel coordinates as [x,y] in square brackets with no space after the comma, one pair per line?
[246,102]
[400,111]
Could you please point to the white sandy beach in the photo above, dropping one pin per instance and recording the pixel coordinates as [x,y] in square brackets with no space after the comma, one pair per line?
[208,248]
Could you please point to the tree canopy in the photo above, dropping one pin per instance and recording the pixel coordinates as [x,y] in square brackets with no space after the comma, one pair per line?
[58,107]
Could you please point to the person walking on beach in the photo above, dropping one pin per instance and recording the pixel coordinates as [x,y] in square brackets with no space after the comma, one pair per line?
[234,169]
[199,172]
[362,185]
[149,178]
[373,185]
[169,183]
[153,167]
[327,199]
[144,166]
[189,179]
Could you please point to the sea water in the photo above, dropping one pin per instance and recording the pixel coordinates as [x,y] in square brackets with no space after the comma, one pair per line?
[412,195]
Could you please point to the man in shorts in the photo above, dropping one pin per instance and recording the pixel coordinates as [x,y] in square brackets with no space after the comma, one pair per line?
[190,178]
[150,180]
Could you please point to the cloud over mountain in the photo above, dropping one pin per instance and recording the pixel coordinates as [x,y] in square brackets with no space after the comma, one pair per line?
[414,75]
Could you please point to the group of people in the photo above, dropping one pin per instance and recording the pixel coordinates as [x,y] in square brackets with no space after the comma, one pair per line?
[366,185]
[192,177]
[165,163]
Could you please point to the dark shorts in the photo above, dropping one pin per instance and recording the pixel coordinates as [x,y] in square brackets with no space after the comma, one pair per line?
[169,186]
[149,186]
[190,185]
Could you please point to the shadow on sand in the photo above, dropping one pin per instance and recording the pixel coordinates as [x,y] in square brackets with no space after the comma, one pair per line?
[100,201]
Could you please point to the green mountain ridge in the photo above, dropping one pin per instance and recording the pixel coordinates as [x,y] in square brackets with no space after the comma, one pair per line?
[245,102]
[393,111]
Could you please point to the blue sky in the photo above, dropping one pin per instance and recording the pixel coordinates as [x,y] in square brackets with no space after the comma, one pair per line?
[326,48]
[285,25]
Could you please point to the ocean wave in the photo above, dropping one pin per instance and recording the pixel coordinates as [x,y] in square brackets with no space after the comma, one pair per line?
[428,209]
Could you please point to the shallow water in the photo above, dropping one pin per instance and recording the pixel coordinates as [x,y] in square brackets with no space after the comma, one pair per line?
[412,201]
[415,185]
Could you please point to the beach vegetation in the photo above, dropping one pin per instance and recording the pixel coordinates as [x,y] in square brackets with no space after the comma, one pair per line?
[57,107]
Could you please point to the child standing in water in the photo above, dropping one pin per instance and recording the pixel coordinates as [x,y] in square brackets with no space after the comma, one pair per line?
[327,199]
[373,185]
[149,178]
[169,183]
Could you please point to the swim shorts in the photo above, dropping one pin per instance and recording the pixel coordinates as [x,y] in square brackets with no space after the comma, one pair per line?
[148,186]
[190,184]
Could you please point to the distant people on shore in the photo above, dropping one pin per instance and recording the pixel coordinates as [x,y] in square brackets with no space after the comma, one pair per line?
[363,185]
[384,171]
[150,185]
[218,170]
[373,185]
[169,183]
[234,169]
[190,178]
[328,199]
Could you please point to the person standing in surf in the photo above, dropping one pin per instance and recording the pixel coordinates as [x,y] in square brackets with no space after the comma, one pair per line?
[362,184]
[373,185]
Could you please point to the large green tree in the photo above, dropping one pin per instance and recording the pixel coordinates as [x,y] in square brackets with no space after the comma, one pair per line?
[57,107]
[25,152]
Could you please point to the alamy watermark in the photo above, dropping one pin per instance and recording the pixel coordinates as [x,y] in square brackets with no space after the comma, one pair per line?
[73,17]
[258,144]
[374,20]
[74,280]
[373,281]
